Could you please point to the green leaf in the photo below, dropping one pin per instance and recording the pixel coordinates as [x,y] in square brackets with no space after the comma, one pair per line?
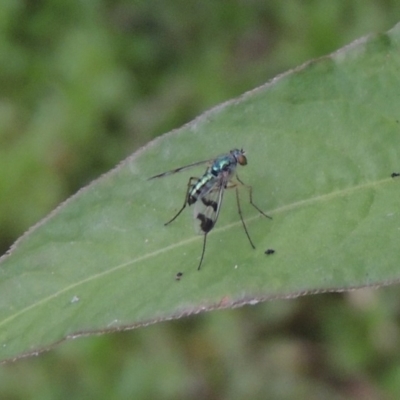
[321,141]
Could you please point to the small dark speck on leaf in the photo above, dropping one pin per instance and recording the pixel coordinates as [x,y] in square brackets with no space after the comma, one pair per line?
[395,174]
[269,251]
[178,276]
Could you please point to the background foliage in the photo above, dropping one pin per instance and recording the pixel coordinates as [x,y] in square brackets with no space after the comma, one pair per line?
[83,84]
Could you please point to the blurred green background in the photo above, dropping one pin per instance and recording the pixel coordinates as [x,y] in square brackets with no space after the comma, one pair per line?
[84,83]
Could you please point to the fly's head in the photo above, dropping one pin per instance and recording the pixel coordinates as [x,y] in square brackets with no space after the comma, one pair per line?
[239,156]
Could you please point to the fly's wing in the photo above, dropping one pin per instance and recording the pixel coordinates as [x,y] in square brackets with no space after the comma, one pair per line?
[180,169]
[207,207]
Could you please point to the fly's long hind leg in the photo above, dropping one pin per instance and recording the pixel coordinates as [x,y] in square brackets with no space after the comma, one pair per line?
[241,218]
[189,184]
[250,189]
[202,252]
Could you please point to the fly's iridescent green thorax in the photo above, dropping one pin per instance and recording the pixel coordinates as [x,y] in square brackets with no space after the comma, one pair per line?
[224,165]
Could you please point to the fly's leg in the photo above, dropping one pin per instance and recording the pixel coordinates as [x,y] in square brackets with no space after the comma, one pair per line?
[250,189]
[202,252]
[231,186]
[241,217]
[189,185]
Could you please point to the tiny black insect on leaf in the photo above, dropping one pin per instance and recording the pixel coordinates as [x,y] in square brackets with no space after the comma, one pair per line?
[178,276]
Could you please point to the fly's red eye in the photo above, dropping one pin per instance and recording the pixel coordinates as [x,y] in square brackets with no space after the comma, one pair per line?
[242,160]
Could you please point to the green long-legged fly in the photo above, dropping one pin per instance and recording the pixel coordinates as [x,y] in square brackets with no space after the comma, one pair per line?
[207,192]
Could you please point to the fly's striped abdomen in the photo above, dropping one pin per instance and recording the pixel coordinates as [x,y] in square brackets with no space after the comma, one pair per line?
[201,188]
